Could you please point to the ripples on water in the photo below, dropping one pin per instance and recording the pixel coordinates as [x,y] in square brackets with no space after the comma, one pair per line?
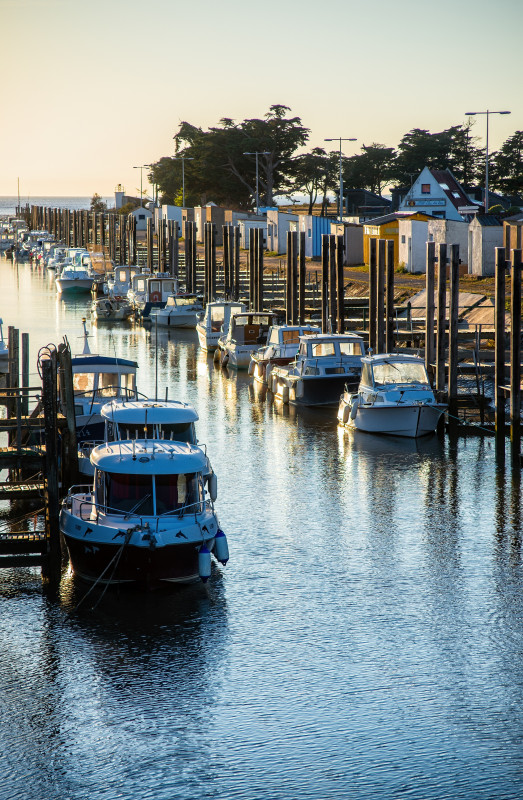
[364,641]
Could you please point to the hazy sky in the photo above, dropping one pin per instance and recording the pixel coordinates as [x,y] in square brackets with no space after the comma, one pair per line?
[92,88]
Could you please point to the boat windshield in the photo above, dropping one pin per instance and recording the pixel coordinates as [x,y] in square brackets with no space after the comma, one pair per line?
[137,493]
[175,432]
[83,382]
[351,349]
[323,349]
[388,372]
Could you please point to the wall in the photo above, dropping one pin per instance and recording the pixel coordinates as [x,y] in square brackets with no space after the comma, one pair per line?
[448,231]
[482,243]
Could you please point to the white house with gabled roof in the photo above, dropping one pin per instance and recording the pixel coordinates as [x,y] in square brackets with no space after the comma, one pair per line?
[438,193]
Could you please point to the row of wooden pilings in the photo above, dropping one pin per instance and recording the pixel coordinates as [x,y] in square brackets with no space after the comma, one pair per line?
[41,456]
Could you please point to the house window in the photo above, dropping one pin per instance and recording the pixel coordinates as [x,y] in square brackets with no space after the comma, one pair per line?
[141,216]
[425,188]
[431,237]
[403,240]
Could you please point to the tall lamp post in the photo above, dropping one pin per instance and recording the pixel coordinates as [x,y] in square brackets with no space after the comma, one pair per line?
[487,114]
[144,166]
[340,140]
[183,159]
[257,153]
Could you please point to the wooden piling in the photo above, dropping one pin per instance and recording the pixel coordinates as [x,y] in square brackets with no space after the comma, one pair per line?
[340,285]
[51,567]
[441,318]
[499,339]
[380,296]
[65,382]
[373,293]
[236,264]
[25,373]
[173,245]
[429,312]
[325,260]
[149,236]
[291,304]
[515,360]
[333,316]
[132,254]
[227,260]
[389,298]
[111,219]
[302,271]
[453,335]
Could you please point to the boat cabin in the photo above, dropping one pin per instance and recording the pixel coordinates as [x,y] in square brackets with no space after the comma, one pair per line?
[147,478]
[98,378]
[170,420]
[382,371]
[218,314]
[152,288]
[250,328]
[182,301]
[329,353]
[122,279]
[283,338]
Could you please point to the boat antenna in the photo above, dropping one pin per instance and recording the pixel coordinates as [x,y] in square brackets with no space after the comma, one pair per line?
[86,351]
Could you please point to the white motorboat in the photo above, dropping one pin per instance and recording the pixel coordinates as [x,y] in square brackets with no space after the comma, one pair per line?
[247,332]
[214,322]
[150,291]
[179,311]
[394,397]
[282,346]
[4,351]
[96,380]
[111,309]
[325,363]
[75,277]
[146,519]
[170,420]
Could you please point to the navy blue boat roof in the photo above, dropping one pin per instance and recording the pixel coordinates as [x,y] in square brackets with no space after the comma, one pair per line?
[91,360]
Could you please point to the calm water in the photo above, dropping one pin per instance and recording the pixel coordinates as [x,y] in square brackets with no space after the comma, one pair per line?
[364,641]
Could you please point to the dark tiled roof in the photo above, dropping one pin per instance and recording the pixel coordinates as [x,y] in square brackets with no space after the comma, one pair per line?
[488,219]
[445,176]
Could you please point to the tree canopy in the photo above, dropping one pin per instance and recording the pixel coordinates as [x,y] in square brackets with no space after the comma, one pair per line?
[97,203]
[228,162]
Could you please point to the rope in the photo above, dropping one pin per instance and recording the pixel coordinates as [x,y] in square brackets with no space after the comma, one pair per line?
[470,424]
[116,558]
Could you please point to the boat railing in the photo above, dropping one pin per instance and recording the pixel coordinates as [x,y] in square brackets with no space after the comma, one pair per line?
[90,509]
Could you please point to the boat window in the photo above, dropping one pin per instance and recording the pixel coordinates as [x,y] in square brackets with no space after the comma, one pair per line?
[241,320]
[154,286]
[108,384]
[323,349]
[129,492]
[176,491]
[350,348]
[83,382]
[291,337]
[217,314]
[170,302]
[273,338]
[178,432]
[140,285]
[399,372]
[185,301]
[128,381]
[99,484]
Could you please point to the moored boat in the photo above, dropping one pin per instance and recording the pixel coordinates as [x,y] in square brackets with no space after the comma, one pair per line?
[394,397]
[282,346]
[146,519]
[325,363]
[214,322]
[179,311]
[247,333]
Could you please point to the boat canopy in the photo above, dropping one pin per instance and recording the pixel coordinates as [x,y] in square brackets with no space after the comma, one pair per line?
[149,457]
[154,412]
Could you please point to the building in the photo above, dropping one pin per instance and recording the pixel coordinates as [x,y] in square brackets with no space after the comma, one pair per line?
[353,242]
[141,216]
[485,234]
[438,193]
[279,223]
[513,233]
[364,204]
[448,231]
[314,227]
[386,227]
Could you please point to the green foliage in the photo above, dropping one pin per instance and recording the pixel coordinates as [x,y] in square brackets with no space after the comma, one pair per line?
[97,204]
[452,149]
[128,207]
[372,170]
[506,166]
[315,173]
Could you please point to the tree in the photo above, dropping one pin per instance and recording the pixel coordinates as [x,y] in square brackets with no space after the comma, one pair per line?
[371,170]
[506,166]
[97,203]
[314,174]
[222,168]
[449,149]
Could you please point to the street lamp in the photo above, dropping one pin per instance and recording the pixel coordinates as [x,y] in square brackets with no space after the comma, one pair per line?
[340,140]
[257,153]
[141,181]
[183,159]
[486,113]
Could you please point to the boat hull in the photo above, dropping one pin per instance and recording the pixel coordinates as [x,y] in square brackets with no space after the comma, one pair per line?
[411,421]
[97,556]
[73,286]
[175,320]
[315,391]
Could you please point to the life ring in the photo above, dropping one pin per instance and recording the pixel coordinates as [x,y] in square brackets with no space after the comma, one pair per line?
[155,297]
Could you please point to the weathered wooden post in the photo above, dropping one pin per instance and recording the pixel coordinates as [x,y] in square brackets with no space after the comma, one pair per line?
[373,293]
[441,318]
[291,310]
[389,302]
[325,262]
[333,317]
[212,262]
[131,250]
[236,263]
[123,238]
[149,236]
[65,373]
[111,218]
[252,267]
[259,255]
[499,339]
[429,312]
[302,271]
[380,297]
[340,288]
[227,231]
[515,360]
[172,234]
[102,230]
[52,564]
[453,335]
[25,374]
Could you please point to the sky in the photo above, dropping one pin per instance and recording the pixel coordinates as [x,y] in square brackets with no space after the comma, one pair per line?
[93,88]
